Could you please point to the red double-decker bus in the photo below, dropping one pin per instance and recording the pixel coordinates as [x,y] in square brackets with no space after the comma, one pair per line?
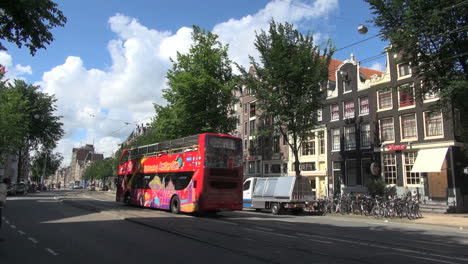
[199,173]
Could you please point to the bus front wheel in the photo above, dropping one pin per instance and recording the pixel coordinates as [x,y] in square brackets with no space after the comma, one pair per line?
[175,205]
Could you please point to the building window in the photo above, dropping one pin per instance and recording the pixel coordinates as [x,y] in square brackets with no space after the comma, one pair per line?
[336,172]
[430,96]
[307,166]
[364,105]
[245,144]
[321,138]
[404,69]
[246,107]
[335,112]
[259,166]
[238,122]
[252,110]
[365,136]
[433,122]
[348,109]
[386,127]
[265,169]
[347,86]
[408,127]
[351,172]
[308,146]
[275,168]
[252,127]
[251,166]
[245,128]
[350,137]
[389,168]
[411,177]
[276,144]
[365,171]
[406,95]
[319,115]
[385,99]
[335,139]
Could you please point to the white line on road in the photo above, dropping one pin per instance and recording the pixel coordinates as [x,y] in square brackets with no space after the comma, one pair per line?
[13,226]
[430,259]
[51,251]
[425,242]
[21,232]
[264,228]
[33,240]
[222,222]
[7,222]
[270,233]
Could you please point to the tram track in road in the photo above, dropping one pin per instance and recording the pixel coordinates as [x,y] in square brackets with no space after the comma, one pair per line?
[395,244]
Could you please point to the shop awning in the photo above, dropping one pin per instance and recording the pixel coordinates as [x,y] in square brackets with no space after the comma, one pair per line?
[429,160]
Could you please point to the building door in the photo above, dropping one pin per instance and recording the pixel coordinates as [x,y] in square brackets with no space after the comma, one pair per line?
[438,183]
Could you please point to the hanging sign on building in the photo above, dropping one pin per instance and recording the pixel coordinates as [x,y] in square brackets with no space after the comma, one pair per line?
[394,147]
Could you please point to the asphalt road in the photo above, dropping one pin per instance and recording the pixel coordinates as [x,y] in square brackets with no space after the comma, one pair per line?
[88,227]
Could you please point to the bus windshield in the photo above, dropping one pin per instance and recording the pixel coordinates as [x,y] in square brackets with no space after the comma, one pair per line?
[222,152]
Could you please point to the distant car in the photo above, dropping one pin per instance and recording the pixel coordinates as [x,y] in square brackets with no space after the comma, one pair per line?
[20,188]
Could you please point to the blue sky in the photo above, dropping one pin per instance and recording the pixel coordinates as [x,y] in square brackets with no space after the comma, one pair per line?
[107,65]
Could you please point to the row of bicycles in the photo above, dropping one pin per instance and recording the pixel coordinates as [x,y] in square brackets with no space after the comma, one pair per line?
[377,206]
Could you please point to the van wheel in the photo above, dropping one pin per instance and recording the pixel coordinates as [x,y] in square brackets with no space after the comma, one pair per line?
[275,209]
[175,205]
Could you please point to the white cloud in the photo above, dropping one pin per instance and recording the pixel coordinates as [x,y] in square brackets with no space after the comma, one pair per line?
[378,66]
[13,71]
[102,106]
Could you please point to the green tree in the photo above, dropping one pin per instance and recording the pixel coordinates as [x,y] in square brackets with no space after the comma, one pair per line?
[100,169]
[31,112]
[51,161]
[431,35]
[200,97]
[288,82]
[29,22]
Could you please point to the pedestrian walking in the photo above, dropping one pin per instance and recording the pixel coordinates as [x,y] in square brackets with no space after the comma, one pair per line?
[3,194]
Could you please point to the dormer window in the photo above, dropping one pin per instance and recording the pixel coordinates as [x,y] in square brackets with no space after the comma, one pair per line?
[404,69]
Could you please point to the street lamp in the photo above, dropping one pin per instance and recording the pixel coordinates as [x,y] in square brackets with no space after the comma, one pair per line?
[362,29]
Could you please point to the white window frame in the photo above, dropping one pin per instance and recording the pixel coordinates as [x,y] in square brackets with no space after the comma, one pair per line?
[348,138]
[399,97]
[409,68]
[361,141]
[344,109]
[417,176]
[403,139]
[333,139]
[378,100]
[359,105]
[381,130]
[331,112]
[425,126]
[393,172]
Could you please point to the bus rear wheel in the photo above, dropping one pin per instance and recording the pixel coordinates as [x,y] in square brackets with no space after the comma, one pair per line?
[175,205]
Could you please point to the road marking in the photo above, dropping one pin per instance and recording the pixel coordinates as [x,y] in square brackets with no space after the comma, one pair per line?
[223,222]
[21,232]
[430,259]
[264,228]
[270,233]
[51,251]
[419,241]
[13,226]
[288,224]
[33,240]
[7,222]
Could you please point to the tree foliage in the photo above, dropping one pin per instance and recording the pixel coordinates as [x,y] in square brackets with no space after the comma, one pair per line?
[52,163]
[27,121]
[29,22]
[431,35]
[200,97]
[287,82]
[100,169]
